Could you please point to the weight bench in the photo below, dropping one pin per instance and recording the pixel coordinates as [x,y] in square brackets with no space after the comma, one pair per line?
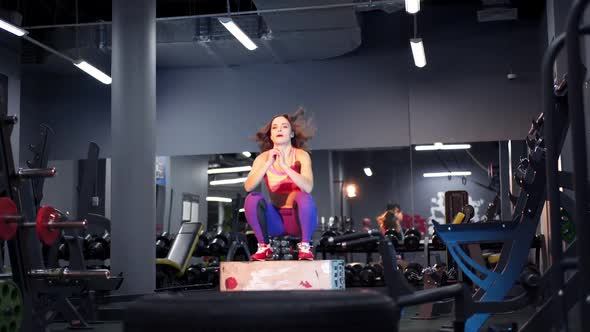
[286,311]
[179,256]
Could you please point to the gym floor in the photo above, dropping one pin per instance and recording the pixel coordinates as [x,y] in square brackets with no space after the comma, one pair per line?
[407,324]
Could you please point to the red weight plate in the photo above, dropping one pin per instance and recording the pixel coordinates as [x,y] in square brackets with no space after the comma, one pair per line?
[7,207]
[46,234]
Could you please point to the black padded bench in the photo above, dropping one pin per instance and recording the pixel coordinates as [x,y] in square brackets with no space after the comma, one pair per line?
[286,311]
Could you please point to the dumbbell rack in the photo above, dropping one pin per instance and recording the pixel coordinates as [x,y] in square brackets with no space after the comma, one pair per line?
[45,292]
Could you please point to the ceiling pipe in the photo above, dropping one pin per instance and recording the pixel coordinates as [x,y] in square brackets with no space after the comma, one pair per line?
[368,4]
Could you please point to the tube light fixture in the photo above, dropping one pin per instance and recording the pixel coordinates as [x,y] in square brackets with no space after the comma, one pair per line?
[445,174]
[218,199]
[93,71]
[227,181]
[418,52]
[235,30]
[441,146]
[12,28]
[229,170]
[412,6]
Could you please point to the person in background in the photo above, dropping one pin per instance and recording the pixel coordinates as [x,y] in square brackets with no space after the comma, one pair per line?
[388,220]
[366,225]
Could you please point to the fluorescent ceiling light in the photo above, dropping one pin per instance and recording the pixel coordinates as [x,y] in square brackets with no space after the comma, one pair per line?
[12,28]
[227,181]
[229,170]
[441,146]
[218,199]
[444,174]
[368,171]
[412,6]
[241,210]
[418,52]
[93,71]
[235,30]
[247,154]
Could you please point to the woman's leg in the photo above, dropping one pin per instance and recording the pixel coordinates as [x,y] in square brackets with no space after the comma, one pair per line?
[263,217]
[307,215]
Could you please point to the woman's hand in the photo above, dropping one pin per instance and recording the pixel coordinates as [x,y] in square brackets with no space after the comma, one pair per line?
[282,161]
[272,155]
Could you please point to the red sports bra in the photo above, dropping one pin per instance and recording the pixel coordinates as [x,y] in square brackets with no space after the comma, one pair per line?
[278,181]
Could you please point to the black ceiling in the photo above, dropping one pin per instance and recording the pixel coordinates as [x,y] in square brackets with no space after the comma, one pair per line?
[49,12]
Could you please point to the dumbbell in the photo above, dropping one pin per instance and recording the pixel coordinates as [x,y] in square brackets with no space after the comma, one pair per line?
[63,250]
[204,240]
[435,275]
[163,244]
[437,242]
[87,241]
[413,273]
[210,275]
[192,275]
[469,212]
[326,235]
[371,275]
[412,239]
[352,273]
[101,247]
[394,236]
[220,243]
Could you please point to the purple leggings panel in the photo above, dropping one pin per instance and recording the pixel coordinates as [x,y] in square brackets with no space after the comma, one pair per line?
[298,221]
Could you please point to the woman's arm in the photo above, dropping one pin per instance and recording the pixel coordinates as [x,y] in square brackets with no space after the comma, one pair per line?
[304,180]
[381,221]
[259,168]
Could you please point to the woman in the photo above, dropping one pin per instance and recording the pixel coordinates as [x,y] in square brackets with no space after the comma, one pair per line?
[285,166]
[390,219]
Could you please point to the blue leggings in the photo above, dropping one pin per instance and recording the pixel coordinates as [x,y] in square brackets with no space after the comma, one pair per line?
[268,220]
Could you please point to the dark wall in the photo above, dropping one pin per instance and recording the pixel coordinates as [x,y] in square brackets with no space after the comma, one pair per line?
[359,100]
[188,174]
[60,191]
[9,66]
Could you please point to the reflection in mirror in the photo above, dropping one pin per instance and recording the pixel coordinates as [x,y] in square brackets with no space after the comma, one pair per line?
[226,175]
[473,167]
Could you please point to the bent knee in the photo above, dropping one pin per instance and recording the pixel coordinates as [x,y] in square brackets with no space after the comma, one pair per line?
[303,198]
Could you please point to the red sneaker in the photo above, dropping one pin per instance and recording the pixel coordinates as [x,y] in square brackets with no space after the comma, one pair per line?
[305,251]
[264,253]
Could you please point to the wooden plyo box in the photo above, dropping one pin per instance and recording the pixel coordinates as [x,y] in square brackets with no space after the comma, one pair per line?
[281,275]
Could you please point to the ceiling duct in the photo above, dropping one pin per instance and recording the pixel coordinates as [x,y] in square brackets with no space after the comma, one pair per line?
[497,10]
[284,30]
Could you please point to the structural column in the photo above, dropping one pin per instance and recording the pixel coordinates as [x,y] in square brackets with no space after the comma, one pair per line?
[133,141]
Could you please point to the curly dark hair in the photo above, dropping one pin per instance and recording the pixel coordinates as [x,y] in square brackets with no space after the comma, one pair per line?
[303,129]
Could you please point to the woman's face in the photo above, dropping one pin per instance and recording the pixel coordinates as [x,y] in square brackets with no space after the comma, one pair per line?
[280,130]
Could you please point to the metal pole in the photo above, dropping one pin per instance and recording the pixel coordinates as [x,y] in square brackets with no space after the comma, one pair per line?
[552,178]
[576,107]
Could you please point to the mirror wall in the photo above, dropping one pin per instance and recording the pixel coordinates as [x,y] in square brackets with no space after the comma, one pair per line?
[207,187]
